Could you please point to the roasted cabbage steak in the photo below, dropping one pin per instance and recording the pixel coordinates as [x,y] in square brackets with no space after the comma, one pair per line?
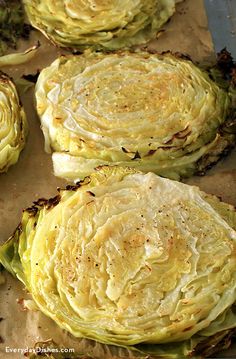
[154,112]
[99,24]
[13,124]
[133,260]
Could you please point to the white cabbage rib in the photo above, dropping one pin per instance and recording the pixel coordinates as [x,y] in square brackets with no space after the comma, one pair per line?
[153,112]
[109,24]
[13,125]
[127,258]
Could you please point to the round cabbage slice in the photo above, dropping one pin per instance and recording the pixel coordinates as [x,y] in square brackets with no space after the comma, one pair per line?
[158,113]
[126,258]
[101,24]
[13,125]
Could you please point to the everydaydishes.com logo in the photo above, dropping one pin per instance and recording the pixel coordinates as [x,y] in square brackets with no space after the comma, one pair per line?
[38,350]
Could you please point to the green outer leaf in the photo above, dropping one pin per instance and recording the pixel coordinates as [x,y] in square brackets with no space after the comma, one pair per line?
[10,258]
[19,58]
[23,85]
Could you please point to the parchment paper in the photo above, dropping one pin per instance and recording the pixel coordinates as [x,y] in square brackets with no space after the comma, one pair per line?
[32,177]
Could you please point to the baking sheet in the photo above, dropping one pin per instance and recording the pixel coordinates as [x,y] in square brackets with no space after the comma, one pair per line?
[32,177]
[222,23]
